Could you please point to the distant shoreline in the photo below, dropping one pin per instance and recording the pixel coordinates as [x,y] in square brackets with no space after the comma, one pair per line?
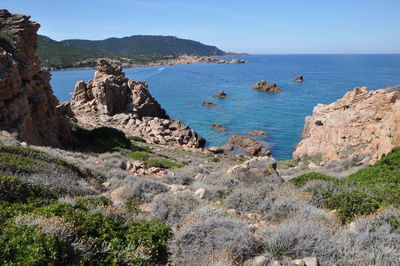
[181,60]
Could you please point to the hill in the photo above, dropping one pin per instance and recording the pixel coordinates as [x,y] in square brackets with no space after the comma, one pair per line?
[148,45]
[54,54]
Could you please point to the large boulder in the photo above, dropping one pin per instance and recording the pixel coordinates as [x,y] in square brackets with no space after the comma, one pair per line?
[113,100]
[364,124]
[256,170]
[27,104]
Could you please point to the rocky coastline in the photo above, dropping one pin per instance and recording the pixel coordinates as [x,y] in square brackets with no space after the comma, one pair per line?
[179,60]
[110,179]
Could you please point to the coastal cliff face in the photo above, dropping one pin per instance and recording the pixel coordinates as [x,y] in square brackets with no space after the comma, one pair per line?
[28,108]
[111,99]
[363,123]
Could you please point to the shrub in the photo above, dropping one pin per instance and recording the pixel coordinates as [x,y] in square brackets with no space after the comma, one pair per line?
[154,161]
[136,138]
[248,201]
[352,204]
[299,239]
[301,180]
[102,139]
[13,189]
[143,190]
[209,241]
[173,208]
[25,245]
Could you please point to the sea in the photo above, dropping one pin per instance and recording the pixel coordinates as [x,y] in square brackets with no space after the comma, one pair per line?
[180,89]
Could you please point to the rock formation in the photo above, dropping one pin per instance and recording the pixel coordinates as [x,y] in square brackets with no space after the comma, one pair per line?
[113,100]
[363,123]
[28,108]
[298,79]
[262,85]
[249,145]
[218,128]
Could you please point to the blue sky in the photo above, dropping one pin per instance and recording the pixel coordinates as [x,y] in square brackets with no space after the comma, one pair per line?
[253,26]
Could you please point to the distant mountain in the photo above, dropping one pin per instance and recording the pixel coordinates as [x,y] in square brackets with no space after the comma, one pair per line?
[148,45]
[54,54]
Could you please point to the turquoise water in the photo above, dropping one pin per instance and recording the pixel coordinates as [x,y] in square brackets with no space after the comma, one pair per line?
[180,90]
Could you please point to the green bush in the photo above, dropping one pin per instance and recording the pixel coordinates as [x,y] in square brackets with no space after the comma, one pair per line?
[136,138]
[25,245]
[13,189]
[301,180]
[352,204]
[102,139]
[139,156]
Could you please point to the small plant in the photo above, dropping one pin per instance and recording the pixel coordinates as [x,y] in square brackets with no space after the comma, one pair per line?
[303,179]
[136,138]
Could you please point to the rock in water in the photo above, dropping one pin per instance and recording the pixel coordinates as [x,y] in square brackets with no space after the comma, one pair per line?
[257,133]
[249,145]
[298,79]
[361,123]
[262,85]
[220,94]
[113,100]
[27,104]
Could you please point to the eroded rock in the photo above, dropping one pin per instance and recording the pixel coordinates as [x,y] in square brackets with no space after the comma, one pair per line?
[113,100]
[364,124]
[27,104]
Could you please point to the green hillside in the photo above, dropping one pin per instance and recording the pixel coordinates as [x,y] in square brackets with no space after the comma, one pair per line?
[58,55]
[148,45]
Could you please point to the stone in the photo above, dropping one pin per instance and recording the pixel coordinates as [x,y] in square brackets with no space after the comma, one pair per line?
[310,261]
[247,145]
[200,193]
[220,94]
[262,85]
[219,128]
[256,170]
[208,104]
[28,107]
[364,124]
[298,79]
[299,262]
[216,150]
[260,261]
[116,195]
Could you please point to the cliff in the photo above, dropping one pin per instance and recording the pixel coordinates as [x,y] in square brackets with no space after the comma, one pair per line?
[363,123]
[28,107]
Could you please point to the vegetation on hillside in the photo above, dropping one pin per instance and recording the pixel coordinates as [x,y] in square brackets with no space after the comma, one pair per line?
[148,45]
[61,55]
[361,193]
[48,224]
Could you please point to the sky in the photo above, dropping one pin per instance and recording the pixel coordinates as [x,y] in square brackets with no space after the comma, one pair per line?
[251,26]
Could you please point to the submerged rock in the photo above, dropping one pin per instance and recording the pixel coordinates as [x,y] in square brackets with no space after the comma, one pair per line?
[208,104]
[257,133]
[219,128]
[262,85]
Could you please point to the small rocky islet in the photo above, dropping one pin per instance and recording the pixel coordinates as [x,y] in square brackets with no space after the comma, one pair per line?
[109,178]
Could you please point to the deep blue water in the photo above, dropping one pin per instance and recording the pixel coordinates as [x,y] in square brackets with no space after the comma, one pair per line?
[180,90]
